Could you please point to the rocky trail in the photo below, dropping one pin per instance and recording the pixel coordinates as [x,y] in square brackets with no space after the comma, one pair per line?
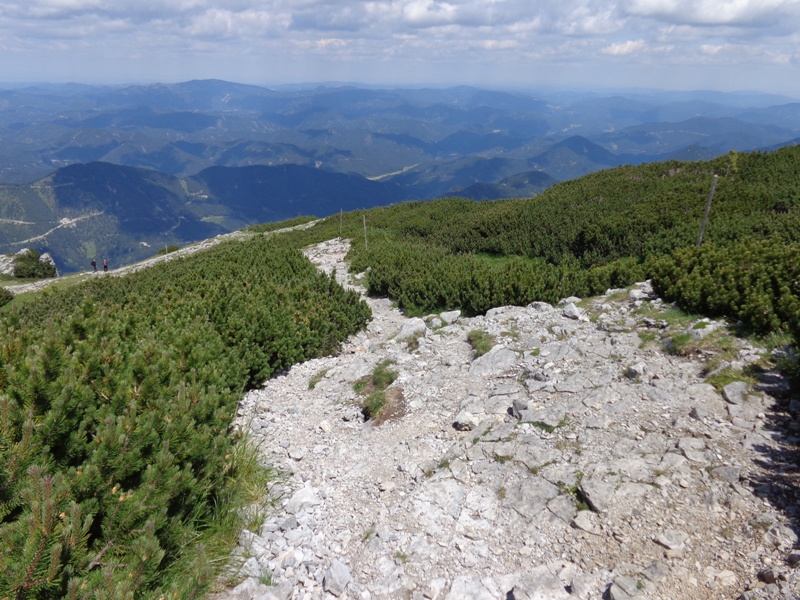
[576,459]
[7,261]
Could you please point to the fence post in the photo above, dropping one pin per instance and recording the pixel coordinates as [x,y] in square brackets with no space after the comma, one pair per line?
[708,210]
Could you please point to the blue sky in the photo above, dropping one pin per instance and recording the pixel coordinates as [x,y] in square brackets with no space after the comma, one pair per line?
[664,44]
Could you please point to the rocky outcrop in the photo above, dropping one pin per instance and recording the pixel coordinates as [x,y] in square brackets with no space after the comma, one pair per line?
[575,460]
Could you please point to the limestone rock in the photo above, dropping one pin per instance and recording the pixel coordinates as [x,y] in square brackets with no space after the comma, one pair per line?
[572,312]
[336,578]
[411,328]
[599,494]
[539,583]
[727,473]
[736,392]
[465,421]
[450,316]
[672,539]
[636,371]
[585,522]
[498,360]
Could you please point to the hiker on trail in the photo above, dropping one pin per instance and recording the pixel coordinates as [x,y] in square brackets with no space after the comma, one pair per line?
[94,265]
[105,264]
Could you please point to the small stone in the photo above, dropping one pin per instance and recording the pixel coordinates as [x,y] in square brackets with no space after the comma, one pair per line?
[411,328]
[584,522]
[352,413]
[735,392]
[249,588]
[302,498]
[464,421]
[434,322]
[727,473]
[336,578]
[624,587]
[672,539]
[572,312]
[597,493]
[656,571]
[539,306]
[325,427]
[726,578]
[768,576]
[518,406]
[636,371]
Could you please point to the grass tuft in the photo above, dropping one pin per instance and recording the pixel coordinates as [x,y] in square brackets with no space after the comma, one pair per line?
[480,341]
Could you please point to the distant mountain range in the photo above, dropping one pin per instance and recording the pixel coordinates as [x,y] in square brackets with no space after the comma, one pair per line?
[181,129]
[121,170]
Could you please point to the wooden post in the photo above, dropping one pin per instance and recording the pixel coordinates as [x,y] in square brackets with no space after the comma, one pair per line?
[341,217]
[708,210]
[365,233]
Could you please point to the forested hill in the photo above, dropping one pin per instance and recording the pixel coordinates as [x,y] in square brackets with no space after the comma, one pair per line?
[100,210]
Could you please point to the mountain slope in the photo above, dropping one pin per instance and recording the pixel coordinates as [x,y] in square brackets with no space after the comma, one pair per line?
[521,185]
[98,209]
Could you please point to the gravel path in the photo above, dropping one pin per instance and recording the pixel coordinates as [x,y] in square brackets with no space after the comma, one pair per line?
[576,459]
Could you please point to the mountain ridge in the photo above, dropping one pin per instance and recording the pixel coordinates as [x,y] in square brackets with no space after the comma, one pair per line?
[147,125]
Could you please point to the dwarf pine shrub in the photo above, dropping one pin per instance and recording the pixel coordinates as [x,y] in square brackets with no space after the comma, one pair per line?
[116,399]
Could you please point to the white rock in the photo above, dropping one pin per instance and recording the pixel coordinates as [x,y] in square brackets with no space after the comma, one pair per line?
[411,328]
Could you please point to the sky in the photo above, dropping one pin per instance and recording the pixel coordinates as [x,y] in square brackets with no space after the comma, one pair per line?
[725,45]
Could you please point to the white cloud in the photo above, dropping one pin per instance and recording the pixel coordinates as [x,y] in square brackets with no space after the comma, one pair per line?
[746,13]
[398,38]
[226,23]
[625,48]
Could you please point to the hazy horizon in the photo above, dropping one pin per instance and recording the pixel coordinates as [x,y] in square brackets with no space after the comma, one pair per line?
[681,45]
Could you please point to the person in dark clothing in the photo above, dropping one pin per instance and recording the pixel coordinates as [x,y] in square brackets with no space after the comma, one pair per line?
[105,264]
[94,265]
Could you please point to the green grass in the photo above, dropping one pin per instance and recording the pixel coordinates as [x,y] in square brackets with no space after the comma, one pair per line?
[480,341]
[383,376]
[729,375]
[647,337]
[267,227]
[412,342]
[373,387]
[245,502]
[373,404]
[316,378]
[380,378]
[365,537]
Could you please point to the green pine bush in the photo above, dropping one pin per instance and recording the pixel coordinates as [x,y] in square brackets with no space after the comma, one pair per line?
[28,266]
[116,399]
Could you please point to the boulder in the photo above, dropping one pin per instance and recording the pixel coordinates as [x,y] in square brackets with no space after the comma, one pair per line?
[498,360]
[411,328]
